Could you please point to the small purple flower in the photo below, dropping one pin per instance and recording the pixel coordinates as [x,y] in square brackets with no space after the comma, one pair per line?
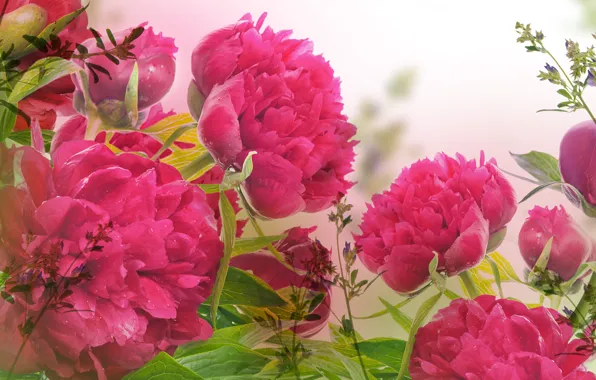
[591,81]
[539,36]
[551,69]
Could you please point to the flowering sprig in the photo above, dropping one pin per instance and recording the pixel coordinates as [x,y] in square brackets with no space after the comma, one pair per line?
[346,280]
[43,271]
[581,74]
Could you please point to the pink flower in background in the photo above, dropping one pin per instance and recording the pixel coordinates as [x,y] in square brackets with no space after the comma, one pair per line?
[268,93]
[142,242]
[304,254]
[495,339]
[577,159]
[157,68]
[449,206]
[570,248]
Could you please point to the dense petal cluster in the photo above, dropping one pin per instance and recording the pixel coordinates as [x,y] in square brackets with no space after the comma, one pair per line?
[137,245]
[447,205]
[269,93]
[495,339]
[307,256]
[570,248]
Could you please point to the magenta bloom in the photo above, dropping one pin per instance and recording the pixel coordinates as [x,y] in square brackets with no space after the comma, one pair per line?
[449,206]
[138,244]
[268,93]
[577,159]
[157,67]
[494,339]
[570,248]
[304,254]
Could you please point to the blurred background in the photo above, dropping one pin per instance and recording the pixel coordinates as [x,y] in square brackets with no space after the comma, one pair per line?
[417,78]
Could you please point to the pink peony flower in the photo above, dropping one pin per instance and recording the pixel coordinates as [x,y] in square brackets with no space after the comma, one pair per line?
[268,93]
[157,67]
[137,246]
[495,339]
[577,159]
[304,254]
[449,206]
[74,129]
[570,248]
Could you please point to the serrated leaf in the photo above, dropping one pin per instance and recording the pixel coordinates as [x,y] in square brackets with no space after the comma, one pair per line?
[163,367]
[542,166]
[249,245]
[52,29]
[421,315]
[52,68]
[228,235]
[131,97]
[398,316]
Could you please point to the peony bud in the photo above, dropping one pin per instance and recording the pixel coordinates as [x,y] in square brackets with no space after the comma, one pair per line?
[28,20]
[156,65]
[571,247]
[577,159]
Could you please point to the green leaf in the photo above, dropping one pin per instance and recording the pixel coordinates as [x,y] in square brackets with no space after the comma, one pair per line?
[542,261]
[388,351]
[24,137]
[41,73]
[437,278]
[542,166]
[421,315]
[163,367]
[192,162]
[551,110]
[52,29]
[496,274]
[250,245]
[483,285]
[131,97]
[451,295]
[249,335]
[228,235]
[339,338]
[226,362]
[354,368]
[385,311]
[505,268]
[232,180]
[538,189]
[227,316]
[8,115]
[172,139]
[245,289]
[210,188]
[398,316]
[316,301]
[564,93]
[585,267]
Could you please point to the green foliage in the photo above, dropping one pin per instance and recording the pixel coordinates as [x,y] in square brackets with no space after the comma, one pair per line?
[24,137]
[163,367]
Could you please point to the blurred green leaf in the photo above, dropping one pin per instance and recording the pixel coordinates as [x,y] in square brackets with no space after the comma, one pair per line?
[163,367]
[388,351]
[398,316]
[400,86]
[24,137]
[39,74]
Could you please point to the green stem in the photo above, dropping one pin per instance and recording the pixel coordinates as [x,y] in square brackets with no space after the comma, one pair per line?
[579,95]
[585,304]
[94,126]
[469,284]
[347,299]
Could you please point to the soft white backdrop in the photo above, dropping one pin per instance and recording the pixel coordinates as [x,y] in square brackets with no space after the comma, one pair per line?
[476,87]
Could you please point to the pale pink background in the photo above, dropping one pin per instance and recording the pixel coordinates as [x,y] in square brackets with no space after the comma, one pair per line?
[476,88]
